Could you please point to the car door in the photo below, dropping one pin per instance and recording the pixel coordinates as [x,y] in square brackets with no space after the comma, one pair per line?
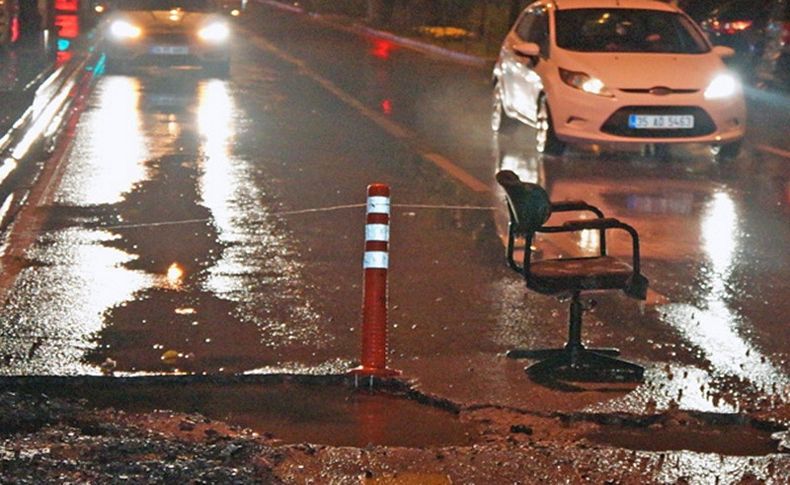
[526,83]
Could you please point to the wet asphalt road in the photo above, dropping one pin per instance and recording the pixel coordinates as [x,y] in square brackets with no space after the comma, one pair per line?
[216,226]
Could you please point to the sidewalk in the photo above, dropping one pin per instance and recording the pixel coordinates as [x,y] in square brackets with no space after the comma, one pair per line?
[445,46]
[349,24]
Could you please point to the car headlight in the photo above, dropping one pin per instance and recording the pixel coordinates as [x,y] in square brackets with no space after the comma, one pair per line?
[121,29]
[722,86]
[585,82]
[216,32]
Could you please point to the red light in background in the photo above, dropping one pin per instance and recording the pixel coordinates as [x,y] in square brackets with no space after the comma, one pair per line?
[68,26]
[67,5]
[736,26]
[382,48]
[386,106]
[15,29]
[62,57]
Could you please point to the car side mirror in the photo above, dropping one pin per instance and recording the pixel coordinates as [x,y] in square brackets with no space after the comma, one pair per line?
[723,51]
[526,49]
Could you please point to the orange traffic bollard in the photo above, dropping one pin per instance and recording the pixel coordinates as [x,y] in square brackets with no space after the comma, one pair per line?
[374,305]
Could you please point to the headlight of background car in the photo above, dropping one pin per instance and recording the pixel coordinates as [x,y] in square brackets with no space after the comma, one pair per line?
[215,32]
[121,29]
[722,86]
[585,82]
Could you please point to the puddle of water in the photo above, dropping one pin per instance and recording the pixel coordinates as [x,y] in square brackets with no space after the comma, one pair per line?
[297,413]
[732,440]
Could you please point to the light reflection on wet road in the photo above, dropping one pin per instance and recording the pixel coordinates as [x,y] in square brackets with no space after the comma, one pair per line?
[168,245]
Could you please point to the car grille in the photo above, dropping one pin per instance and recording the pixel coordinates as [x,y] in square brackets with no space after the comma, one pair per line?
[617,124]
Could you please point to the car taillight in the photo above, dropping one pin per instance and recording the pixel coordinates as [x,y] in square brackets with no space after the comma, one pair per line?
[786,33]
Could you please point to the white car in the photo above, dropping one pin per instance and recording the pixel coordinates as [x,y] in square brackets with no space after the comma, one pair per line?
[167,32]
[616,72]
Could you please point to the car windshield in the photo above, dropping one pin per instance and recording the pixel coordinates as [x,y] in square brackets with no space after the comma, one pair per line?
[627,30]
[187,5]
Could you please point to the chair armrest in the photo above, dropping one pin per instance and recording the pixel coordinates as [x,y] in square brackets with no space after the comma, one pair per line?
[582,206]
[637,284]
[575,205]
[601,224]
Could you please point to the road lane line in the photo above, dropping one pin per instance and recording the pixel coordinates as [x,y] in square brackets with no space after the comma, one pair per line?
[455,171]
[390,127]
[773,150]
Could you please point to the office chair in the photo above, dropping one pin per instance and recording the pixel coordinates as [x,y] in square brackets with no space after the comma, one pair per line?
[530,209]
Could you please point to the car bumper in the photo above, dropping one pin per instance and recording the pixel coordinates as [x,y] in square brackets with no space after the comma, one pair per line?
[170,53]
[586,118]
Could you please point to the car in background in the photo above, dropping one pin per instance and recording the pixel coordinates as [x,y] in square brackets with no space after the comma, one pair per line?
[167,32]
[758,31]
[774,68]
[739,24]
[616,72]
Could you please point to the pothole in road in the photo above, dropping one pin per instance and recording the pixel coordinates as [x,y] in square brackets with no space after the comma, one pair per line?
[335,414]
[721,434]
[327,410]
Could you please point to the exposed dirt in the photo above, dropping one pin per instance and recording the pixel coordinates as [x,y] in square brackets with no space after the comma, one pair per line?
[53,440]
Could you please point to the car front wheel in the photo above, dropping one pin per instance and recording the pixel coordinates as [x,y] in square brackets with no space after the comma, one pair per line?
[546,140]
[726,152]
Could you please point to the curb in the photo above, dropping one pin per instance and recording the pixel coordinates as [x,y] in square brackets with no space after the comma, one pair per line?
[417,45]
[42,120]
[41,109]
[409,43]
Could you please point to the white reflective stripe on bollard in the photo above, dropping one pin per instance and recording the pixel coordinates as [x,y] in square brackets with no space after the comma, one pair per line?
[377,232]
[378,205]
[376,260]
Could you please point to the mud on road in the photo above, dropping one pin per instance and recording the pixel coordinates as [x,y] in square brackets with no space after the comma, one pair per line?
[46,437]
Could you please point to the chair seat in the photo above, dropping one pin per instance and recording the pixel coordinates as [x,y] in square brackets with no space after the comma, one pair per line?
[570,274]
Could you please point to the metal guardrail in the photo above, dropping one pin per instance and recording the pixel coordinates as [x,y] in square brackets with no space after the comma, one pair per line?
[47,98]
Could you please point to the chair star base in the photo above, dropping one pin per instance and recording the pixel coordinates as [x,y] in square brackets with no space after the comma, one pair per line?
[580,364]
[542,354]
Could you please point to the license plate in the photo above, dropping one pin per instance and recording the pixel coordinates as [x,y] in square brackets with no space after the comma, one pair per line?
[170,50]
[166,100]
[661,122]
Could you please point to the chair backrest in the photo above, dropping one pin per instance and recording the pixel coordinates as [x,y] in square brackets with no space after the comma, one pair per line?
[529,203]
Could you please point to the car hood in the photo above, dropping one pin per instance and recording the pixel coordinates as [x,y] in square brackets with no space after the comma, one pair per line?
[165,21]
[645,70]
